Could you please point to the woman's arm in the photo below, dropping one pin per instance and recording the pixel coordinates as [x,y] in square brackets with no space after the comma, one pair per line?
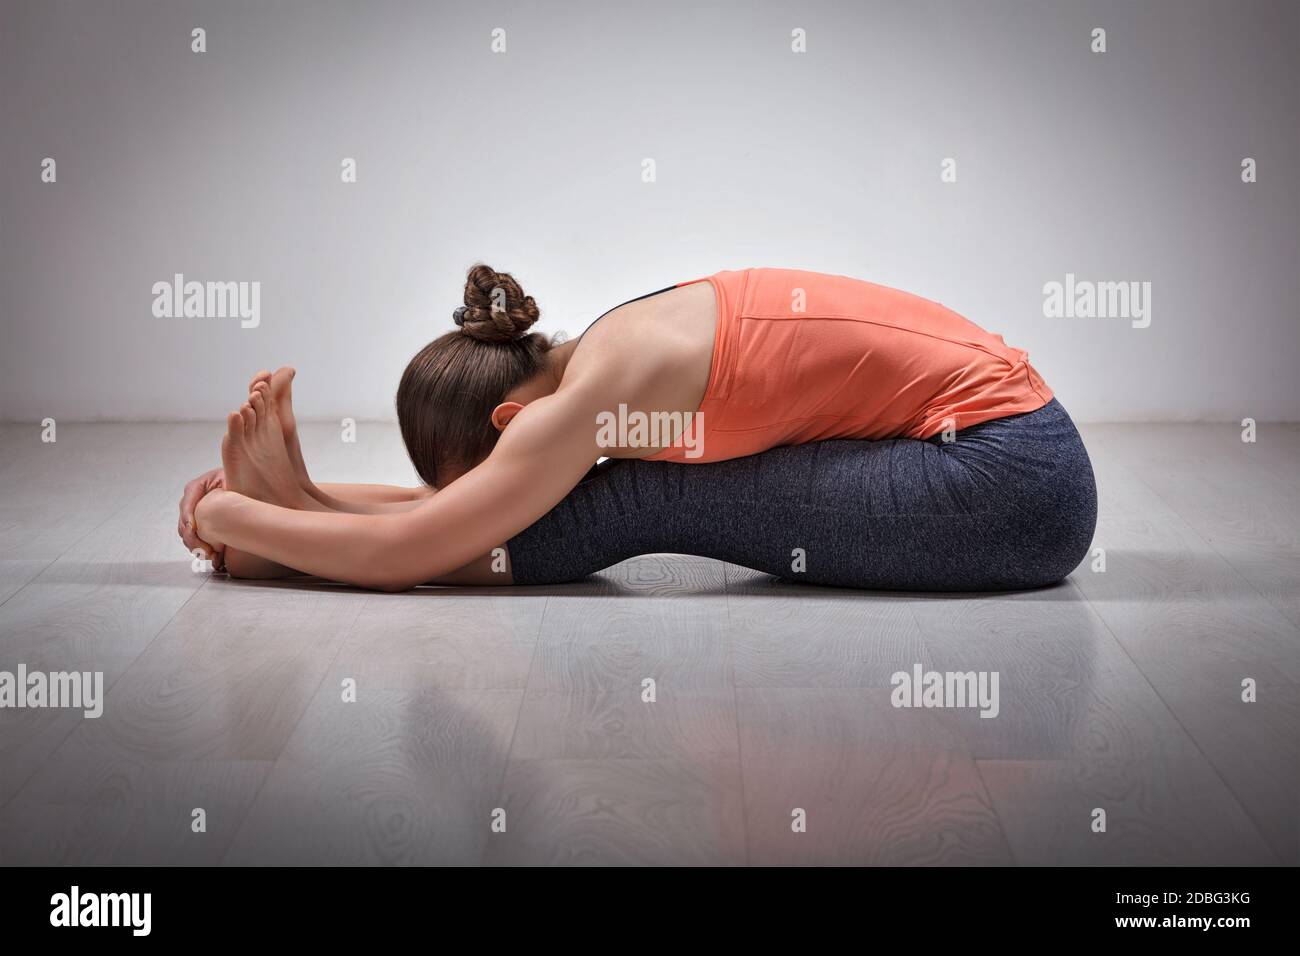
[368,499]
[541,456]
[362,499]
[373,494]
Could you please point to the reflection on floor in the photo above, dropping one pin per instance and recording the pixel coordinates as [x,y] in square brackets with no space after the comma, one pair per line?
[509,726]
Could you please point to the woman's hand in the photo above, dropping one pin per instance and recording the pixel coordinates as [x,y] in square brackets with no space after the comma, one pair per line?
[194,491]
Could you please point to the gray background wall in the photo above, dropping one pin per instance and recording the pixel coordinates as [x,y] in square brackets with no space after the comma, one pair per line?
[225,166]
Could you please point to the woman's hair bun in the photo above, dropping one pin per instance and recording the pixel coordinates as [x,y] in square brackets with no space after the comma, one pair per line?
[496,309]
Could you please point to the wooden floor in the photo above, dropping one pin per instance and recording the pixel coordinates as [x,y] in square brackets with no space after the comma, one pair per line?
[1119,690]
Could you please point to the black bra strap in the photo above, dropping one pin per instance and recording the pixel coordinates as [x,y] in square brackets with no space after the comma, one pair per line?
[629,301]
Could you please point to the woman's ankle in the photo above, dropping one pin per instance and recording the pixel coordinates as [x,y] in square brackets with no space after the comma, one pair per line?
[242,564]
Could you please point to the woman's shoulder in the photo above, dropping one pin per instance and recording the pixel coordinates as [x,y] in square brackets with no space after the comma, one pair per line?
[618,348]
[651,348]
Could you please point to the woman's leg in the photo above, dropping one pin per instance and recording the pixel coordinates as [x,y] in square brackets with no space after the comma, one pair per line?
[245,564]
[1008,504]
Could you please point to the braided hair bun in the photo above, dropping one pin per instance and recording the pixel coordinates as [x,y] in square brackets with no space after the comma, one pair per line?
[496,309]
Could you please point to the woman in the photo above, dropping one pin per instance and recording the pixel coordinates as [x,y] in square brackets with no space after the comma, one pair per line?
[816,427]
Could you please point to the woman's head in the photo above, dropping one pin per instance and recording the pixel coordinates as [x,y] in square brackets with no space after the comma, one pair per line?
[450,388]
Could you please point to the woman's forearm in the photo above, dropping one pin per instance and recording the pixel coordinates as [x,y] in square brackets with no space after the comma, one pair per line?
[491,568]
[346,498]
[368,499]
[342,547]
[354,499]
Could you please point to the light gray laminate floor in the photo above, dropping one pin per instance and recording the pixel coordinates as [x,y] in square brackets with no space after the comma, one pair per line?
[1119,690]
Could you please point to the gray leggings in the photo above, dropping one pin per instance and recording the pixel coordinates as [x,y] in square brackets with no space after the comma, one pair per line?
[1009,503]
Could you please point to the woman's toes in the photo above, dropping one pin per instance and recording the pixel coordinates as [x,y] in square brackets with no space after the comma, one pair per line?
[280,385]
[268,413]
[262,376]
[249,416]
[267,423]
[234,425]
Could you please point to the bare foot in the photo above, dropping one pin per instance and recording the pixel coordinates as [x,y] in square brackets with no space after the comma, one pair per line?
[254,455]
[281,386]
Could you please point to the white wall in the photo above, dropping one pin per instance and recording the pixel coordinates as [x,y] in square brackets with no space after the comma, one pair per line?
[225,166]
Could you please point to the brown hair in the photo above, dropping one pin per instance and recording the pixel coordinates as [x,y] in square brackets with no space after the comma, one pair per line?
[449,389]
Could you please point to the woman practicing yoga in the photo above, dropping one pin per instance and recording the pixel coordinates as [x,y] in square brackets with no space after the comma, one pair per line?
[815,427]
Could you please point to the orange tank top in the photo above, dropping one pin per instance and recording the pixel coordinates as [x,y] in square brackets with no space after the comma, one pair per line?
[801,357]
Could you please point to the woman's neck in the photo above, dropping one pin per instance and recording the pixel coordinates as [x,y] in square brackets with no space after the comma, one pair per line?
[548,379]
[557,359]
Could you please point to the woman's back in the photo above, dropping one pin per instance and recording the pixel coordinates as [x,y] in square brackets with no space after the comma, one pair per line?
[794,357]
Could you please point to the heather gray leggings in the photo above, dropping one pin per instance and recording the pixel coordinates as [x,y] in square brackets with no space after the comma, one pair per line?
[1009,503]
